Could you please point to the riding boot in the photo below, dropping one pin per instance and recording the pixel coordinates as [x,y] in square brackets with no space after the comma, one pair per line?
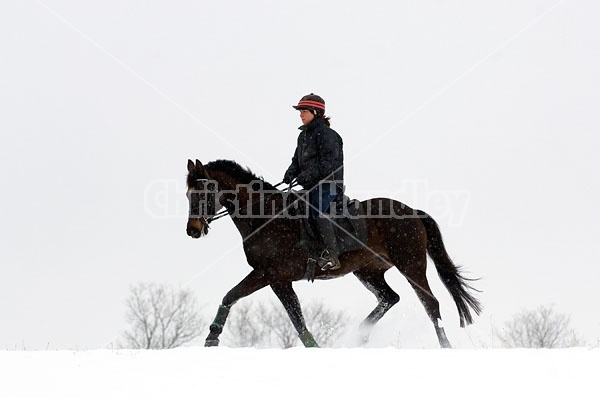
[329,257]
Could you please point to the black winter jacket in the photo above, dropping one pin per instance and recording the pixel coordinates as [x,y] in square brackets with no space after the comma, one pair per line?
[319,155]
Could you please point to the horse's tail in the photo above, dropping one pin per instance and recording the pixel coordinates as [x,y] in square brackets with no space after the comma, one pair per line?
[457,285]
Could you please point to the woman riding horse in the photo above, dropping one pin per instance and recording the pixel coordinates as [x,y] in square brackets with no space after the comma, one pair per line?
[397,237]
[318,165]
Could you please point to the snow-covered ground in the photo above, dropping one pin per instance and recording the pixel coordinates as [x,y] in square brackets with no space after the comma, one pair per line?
[299,372]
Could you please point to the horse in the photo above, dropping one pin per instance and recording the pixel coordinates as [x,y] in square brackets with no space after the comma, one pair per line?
[272,247]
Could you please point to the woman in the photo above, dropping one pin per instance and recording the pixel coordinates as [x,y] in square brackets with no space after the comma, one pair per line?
[318,165]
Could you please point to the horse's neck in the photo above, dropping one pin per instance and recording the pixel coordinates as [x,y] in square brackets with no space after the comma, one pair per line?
[254,211]
[246,214]
[233,200]
[244,222]
[224,180]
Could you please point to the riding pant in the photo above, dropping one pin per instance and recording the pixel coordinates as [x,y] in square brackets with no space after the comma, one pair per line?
[321,197]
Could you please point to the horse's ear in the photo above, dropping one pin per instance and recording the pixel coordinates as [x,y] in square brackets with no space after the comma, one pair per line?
[190,165]
[199,165]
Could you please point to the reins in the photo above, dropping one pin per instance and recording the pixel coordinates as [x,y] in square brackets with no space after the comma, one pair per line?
[225,212]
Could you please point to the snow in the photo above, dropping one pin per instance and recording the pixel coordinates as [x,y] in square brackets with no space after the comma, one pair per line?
[298,372]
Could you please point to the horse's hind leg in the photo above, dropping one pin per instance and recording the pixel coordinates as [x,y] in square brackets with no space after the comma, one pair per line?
[289,299]
[417,278]
[386,298]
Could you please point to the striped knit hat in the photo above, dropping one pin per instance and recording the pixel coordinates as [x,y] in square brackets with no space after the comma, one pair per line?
[311,102]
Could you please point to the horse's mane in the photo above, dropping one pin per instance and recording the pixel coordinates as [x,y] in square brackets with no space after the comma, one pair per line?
[244,175]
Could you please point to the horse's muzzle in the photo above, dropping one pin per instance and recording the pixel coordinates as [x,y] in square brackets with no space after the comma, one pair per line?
[196,227]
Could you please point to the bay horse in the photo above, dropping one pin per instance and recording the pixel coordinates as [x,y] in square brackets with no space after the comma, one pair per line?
[272,247]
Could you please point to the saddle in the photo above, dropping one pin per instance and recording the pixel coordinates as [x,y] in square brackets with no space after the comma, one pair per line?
[349,224]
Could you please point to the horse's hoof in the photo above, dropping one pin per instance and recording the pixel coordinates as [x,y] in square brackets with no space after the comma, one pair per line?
[211,343]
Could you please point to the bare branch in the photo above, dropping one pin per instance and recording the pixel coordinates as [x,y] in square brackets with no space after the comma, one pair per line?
[270,325]
[161,317]
[539,328]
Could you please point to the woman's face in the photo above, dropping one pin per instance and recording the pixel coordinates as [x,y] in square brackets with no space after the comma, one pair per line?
[306,116]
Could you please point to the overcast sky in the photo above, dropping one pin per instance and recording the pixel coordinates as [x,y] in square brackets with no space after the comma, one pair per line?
[484,115]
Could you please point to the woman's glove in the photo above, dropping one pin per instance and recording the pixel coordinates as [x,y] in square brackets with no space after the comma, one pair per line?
[303,179]
[288,177]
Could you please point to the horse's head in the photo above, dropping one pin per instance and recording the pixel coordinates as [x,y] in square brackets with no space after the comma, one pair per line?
[202,198]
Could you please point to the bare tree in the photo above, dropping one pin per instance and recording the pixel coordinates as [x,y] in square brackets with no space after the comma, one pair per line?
[539,328]
[277,325]
[268,325]
[325,324]
[161,317]
[242,328]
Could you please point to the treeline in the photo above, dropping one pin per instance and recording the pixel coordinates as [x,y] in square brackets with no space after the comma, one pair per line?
[163,317]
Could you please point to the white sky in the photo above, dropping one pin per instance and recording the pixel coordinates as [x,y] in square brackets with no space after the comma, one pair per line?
[484,115]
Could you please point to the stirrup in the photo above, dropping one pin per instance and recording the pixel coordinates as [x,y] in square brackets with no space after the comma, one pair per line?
[328,262]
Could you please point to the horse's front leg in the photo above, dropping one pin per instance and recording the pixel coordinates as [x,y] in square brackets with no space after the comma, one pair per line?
[251,283]
[289,299]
